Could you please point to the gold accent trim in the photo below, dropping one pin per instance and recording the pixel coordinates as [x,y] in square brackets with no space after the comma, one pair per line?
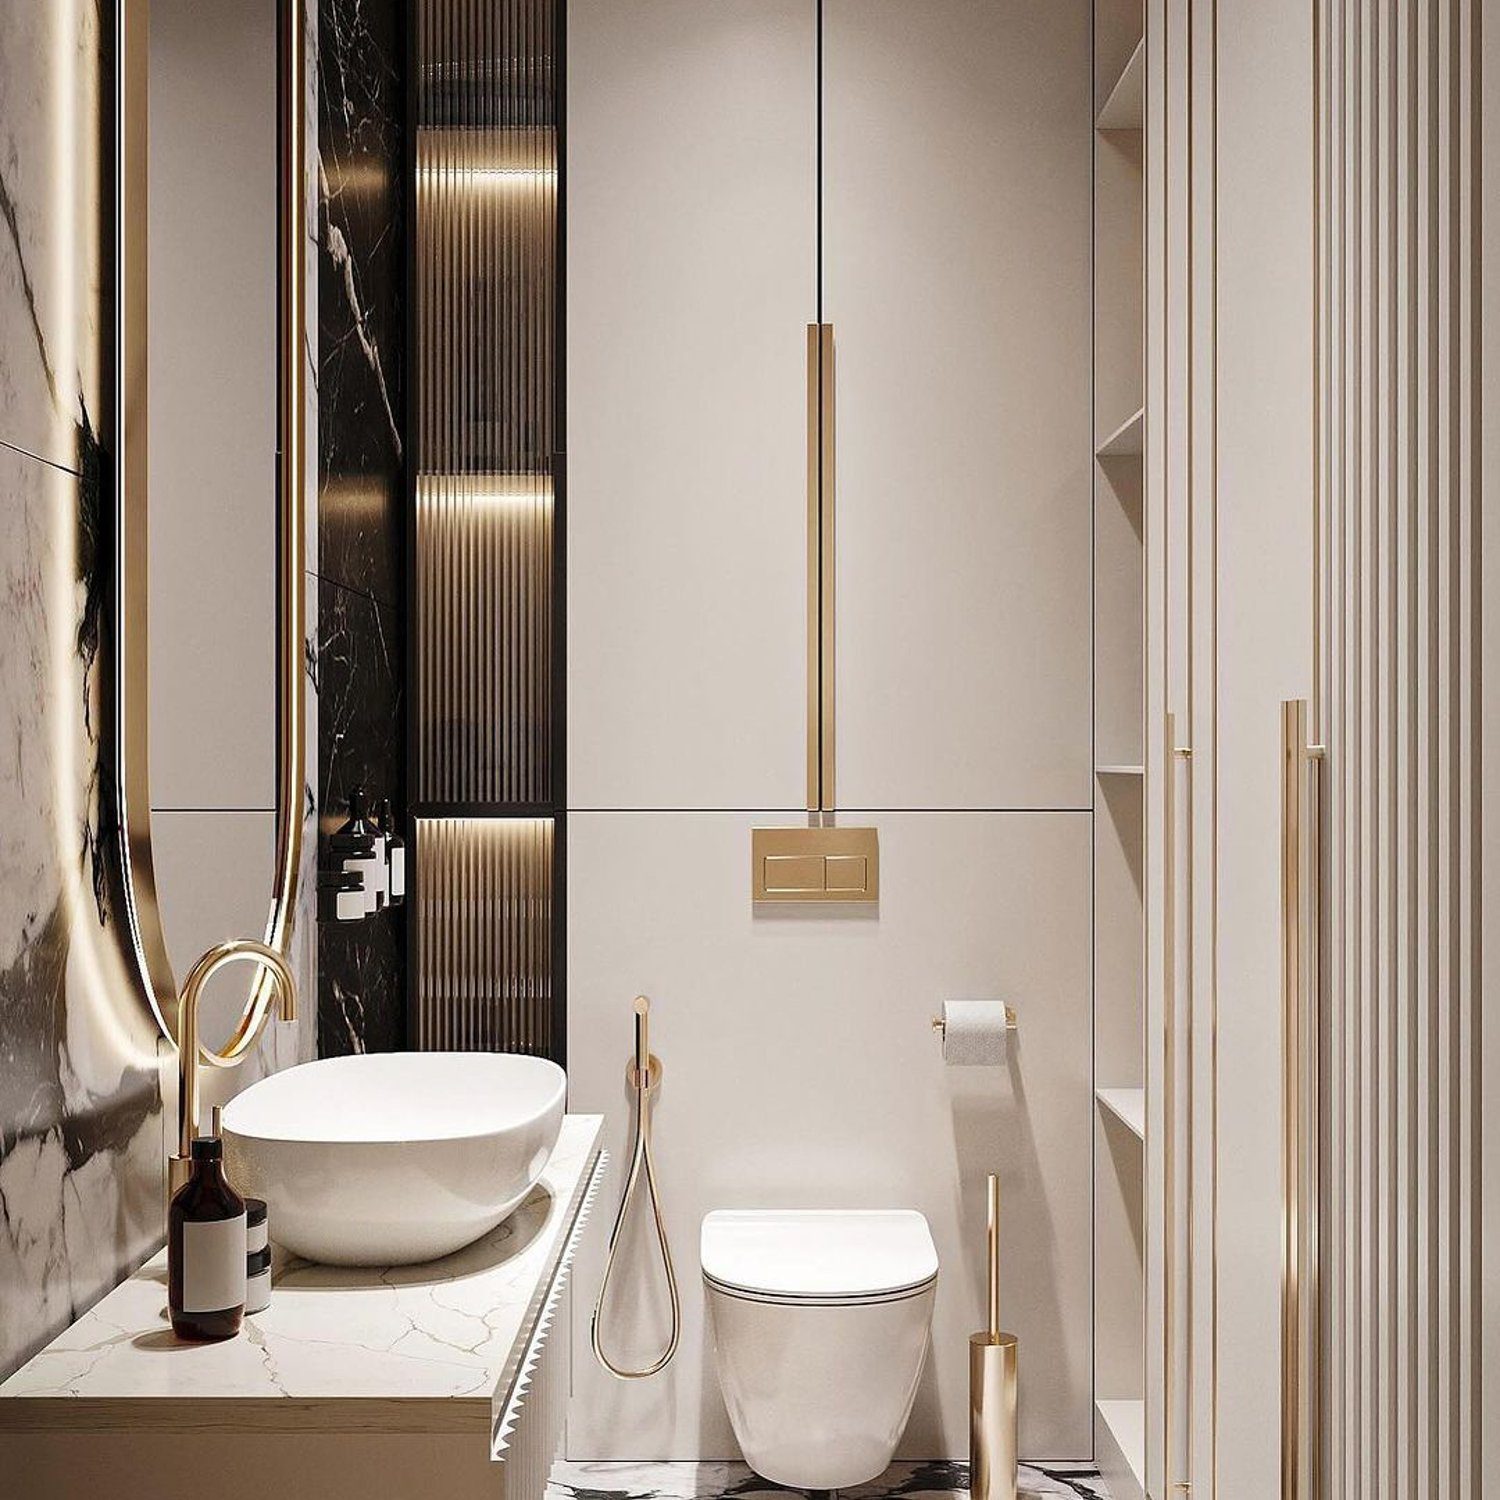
[821,509]
[1169,1099]
[815,864]
[826,552]
[814,568]
[191,1054]
[143,918]
[1300,1354]
[132,530]
[992,1416]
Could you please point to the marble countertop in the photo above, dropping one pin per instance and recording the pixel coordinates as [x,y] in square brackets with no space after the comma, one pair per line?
[427,1348]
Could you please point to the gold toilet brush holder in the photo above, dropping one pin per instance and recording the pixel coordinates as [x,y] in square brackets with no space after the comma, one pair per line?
[992,1386]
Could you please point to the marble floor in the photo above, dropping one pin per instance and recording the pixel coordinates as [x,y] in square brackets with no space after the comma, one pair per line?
[728,1481]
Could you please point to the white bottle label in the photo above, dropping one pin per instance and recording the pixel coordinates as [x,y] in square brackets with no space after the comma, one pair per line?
[368,871]
[398,871]
[213,1265]
[379,873]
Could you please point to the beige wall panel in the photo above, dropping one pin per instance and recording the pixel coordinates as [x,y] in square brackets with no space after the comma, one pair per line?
[1119,1249]
[692,266]
[956,275]
[1119,618]
[213,403]
[1118,372]
[213,878]
[800,1070]
[1119,936]
[1260,549]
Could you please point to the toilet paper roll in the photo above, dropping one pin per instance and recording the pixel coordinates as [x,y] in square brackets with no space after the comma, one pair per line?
[975,1032]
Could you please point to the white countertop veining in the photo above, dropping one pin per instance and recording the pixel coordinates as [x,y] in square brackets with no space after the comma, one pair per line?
[426,1347]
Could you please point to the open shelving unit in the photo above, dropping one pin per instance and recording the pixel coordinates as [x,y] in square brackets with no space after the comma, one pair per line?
[1119,747]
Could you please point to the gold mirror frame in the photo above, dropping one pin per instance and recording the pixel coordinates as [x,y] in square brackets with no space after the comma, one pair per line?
[132,762]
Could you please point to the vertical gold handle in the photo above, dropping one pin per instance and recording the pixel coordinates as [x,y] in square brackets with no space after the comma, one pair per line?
[1300,1125]
[1170,757]
[820,567]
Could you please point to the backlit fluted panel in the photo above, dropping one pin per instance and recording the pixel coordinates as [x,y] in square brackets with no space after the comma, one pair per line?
[484,637]
[486,292]
[484,934]
[1400,503]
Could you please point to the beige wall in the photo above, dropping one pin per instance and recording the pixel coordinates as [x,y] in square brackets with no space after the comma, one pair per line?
[800,1068]
[213,471]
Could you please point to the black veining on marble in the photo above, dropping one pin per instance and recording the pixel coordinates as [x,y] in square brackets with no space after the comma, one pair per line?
[361,965]
[361,302]
[53,1123]
[28,291]
[362,485]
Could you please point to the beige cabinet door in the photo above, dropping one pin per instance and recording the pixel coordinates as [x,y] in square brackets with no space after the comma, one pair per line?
[692,274]
[956,203]
[1231,518]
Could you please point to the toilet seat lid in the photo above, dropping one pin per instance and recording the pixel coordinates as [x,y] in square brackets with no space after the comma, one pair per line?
[812,1252]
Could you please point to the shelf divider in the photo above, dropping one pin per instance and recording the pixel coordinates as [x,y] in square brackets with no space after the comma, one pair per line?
[1127,440]
[1126,1105]
[1125,108]
[1120,1447]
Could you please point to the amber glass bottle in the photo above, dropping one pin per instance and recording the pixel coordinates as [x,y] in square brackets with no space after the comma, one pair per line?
[206,1250]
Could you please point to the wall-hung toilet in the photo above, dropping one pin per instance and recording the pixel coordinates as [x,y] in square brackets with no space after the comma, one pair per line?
[820,1320]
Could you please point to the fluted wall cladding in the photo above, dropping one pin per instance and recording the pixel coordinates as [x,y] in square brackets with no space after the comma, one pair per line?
[486,289]
[1399,617]
[485,934]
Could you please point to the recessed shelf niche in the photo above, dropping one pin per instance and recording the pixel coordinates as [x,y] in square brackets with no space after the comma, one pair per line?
[1120,800]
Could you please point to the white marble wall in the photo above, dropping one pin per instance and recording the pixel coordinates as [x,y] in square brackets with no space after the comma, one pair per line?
[81,1102]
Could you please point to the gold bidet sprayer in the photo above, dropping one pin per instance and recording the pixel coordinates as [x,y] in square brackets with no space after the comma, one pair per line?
[643,1076]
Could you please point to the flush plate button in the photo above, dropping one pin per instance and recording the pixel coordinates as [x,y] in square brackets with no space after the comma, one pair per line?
[815,864]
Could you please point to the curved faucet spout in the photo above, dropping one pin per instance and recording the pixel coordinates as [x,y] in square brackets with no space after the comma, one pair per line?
[277,985]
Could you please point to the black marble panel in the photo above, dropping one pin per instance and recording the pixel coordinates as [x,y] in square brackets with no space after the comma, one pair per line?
[361,302]
[362,486]
[361,965]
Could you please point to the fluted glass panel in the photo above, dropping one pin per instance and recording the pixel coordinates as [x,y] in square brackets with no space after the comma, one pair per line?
[486,288]
[484,930]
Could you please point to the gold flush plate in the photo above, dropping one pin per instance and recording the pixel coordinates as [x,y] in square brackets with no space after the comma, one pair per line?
[815,864]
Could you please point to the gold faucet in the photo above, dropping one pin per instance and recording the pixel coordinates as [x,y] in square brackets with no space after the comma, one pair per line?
[275,983]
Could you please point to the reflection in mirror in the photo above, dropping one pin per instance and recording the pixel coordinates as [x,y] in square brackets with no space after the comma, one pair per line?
[212,477]
[209,436]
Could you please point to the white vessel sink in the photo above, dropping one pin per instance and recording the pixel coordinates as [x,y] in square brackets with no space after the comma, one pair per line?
[389,1158]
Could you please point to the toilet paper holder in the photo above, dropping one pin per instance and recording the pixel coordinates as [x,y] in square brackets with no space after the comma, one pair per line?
[940,1026]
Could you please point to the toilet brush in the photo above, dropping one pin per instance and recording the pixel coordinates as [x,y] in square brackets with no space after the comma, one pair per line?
[992,1385]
